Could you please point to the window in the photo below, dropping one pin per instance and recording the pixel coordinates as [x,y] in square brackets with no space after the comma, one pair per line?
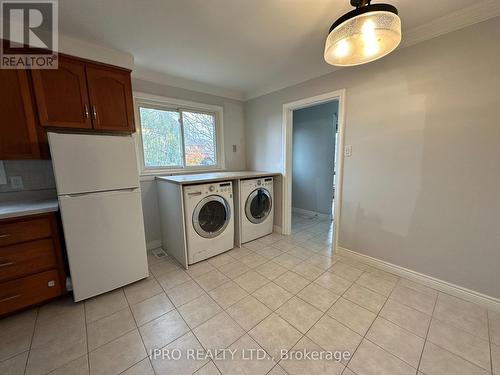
[178,135]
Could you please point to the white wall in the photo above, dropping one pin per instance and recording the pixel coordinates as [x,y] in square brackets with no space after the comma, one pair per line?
[233,135]
[421,189]
[313,157]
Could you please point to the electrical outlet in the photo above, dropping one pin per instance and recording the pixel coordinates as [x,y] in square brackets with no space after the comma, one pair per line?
[234,148]
[3,175]
[16,182]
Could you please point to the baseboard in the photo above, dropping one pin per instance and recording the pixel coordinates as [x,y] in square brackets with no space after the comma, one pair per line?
[153,244]
[484,300]
[314,213]
[277,229]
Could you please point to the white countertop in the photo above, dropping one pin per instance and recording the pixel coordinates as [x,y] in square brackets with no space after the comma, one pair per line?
[27,207]
[214,176]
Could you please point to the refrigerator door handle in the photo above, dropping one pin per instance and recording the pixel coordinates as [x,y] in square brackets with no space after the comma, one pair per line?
[130,190]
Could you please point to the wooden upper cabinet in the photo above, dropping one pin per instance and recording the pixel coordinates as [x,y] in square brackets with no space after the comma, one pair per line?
[18,131]
[61,95]
[110,95]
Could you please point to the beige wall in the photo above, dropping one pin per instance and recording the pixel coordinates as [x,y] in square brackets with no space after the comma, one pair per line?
[233,135]
[422,188]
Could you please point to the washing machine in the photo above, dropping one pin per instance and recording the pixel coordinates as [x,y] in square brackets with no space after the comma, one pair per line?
[257,209]
[208,211]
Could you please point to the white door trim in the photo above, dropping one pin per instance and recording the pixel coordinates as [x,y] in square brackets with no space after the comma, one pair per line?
[287,132]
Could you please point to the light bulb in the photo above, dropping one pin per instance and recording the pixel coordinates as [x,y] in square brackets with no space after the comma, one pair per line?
[369,38]
[342,48]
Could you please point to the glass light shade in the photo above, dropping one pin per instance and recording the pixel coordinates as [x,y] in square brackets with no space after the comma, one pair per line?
[363,38]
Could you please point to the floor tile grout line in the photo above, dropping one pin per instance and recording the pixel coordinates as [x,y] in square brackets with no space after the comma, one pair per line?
[459,328]
[365,271]
[222,310]
[429,341]
[107,315]
[489,339]
[310,282]
[305,334]
[274,311]
[458,355]
[191,330]
[368,330]
[31,341]
[175,308]
[86,335]
[138,330]
[341,296]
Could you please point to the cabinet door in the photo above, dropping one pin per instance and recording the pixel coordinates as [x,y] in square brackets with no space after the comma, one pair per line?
[18,132]
[110,94]
[61,95]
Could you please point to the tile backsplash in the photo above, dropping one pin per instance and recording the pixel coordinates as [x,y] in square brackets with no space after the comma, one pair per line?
[25,175]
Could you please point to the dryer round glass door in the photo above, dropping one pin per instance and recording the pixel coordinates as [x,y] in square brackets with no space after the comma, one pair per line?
[211,216]
[258,205]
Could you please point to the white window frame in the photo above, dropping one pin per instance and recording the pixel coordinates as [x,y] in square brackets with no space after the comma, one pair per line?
[161,102]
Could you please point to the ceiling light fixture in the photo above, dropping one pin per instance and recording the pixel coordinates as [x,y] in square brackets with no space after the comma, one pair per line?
[365,34]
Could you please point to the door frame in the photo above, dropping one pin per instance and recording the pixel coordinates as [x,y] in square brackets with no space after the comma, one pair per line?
[287,141]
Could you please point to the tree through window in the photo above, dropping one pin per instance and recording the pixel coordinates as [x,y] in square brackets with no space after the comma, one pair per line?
[178,138]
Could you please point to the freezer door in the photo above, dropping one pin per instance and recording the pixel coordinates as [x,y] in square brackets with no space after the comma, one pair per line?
[105,240]
[86,163]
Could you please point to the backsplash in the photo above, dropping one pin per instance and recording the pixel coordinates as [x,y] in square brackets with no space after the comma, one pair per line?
[31,175]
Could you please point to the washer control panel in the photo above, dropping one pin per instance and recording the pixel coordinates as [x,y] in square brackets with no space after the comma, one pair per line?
[263,182]
[208,189]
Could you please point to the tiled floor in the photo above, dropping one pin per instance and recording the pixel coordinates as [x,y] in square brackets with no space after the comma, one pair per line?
[275,293]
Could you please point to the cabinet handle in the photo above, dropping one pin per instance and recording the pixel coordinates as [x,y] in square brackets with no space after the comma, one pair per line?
[94,112]
[9,298]
[5,264]
[4,235]
[86,111]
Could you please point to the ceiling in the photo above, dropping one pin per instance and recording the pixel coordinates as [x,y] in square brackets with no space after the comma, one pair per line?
[246,47]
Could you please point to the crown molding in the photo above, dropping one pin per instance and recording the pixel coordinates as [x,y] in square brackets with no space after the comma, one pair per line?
[479,12]
[91,51]
[186,84]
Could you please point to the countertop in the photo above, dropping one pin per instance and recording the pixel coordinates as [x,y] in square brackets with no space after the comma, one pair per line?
[215,176]
[27,207]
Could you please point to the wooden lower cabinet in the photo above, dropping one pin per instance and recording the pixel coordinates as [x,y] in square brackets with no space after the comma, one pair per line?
[30,290]
[32,269]
[25,258]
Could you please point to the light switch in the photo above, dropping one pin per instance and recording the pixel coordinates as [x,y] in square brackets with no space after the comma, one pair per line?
[234,148]
[348,151]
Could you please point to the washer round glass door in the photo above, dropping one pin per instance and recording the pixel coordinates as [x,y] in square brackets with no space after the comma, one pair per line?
[211,216]
[258,205]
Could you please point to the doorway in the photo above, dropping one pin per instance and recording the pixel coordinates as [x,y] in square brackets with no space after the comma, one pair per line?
[327,203]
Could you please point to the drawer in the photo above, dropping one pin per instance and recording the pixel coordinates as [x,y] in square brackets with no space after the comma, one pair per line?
[26,258]
[22,230]
[29,290]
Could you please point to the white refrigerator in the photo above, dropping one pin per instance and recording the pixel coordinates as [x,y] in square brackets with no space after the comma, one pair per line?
[100,201]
